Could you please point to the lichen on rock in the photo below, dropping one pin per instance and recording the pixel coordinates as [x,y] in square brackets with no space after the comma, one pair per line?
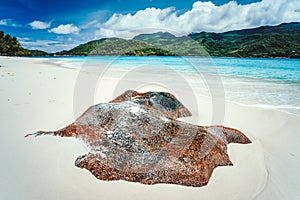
[136,138]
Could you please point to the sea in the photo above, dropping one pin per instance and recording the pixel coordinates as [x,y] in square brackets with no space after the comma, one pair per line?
[272,83]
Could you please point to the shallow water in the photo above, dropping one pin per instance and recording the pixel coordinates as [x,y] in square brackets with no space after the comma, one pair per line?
[262,82]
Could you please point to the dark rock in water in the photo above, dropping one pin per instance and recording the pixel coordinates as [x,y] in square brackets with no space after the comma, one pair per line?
[137,138]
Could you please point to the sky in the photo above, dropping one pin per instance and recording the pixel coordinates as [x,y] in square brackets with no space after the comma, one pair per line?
[58,25]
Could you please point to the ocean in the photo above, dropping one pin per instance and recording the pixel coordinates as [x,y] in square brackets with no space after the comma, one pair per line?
[260,82]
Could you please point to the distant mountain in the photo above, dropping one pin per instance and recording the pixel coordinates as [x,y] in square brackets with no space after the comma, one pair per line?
[38,53]
[158,36]
[115,46]
[267,41]
[181,46]
[162,44]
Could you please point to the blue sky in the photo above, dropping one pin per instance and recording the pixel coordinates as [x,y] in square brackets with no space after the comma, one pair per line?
[57,25]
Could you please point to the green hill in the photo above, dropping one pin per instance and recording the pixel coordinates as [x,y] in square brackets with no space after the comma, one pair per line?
[181,46]
[161,44]
[38,53]
[266,41]
[114,46]
[117,46]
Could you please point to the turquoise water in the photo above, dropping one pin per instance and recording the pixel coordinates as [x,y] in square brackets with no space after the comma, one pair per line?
[266,68]
[262,82]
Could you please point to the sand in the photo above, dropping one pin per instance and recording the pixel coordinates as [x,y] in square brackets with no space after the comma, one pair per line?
[36,95]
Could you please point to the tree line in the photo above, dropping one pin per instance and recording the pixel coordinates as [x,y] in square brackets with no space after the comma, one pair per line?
[10,46]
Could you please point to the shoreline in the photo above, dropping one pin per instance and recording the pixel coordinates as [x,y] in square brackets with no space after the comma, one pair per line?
[252,104]
[37,95]
[70,56]
[225,77]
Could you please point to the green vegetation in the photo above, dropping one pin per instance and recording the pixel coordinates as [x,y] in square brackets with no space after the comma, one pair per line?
[266,41]
[159,44]
[149,52]
[38,53]
[181,46]
[107,47]
[10,46]
[115,46]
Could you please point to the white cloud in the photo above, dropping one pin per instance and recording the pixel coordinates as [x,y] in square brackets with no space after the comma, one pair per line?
[65,29]
[50,46]
[38,43]
[9,22]
[40,25]
[23,38]
[91,24]
[204,16]
[3,22]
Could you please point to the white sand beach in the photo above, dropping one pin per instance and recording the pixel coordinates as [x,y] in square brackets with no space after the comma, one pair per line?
[37,95]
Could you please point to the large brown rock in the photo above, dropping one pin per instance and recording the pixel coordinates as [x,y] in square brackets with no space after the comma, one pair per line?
[137,138]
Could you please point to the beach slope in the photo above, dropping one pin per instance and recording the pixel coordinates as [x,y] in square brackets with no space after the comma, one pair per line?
[36,94]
